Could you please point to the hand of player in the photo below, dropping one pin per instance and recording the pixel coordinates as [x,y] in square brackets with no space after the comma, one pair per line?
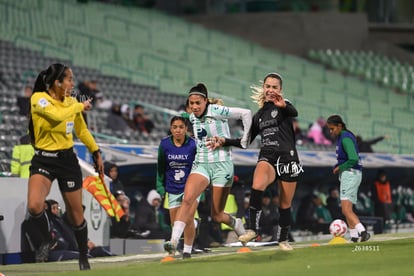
[87,105]
[98,162]
[279,101]
[335,170]
[215,142]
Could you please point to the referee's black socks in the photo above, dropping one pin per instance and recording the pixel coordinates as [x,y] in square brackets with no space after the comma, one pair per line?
[41,225]
[81,235]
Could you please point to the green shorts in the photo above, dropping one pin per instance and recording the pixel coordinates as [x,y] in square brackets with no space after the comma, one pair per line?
[350,181]
[175,200]
[219,174]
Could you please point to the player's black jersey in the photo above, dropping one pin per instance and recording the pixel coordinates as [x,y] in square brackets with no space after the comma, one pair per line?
[274,124]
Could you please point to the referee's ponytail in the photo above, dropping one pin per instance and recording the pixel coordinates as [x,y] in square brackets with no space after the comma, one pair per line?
[46,78]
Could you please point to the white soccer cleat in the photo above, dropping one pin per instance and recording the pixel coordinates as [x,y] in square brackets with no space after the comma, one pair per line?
[248,236]
[285,246]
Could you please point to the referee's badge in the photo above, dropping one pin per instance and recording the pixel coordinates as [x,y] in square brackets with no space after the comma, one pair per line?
[43,102]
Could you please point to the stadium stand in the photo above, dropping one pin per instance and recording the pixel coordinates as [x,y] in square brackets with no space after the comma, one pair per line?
[140,47]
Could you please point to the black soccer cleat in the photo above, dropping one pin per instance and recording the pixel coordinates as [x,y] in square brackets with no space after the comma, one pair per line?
[354,239]
[365,236]
[186,255]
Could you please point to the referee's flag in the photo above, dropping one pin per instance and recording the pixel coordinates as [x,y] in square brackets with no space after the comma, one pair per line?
[100,192]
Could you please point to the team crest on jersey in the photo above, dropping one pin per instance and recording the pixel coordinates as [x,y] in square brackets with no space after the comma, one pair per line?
[43,102]
[274,113]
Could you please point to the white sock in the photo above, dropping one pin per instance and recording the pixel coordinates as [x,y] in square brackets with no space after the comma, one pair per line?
[177,231]
[353,233]
[187,248]
[360,228]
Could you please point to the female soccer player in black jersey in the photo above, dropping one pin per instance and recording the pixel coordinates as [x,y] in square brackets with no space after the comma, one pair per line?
[54,115]
[278,157]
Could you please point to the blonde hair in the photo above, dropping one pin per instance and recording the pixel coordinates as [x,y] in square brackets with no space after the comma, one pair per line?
[215,101]
[259,96]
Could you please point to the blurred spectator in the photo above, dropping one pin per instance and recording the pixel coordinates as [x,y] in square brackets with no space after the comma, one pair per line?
[210,234]
[300,136]
[22,157]
[184,110]
[333,204]
[317,132]
[382,196]
[122,228]
[88,89]
[238,190]
[149,218]
[115,121]
[141,121]
[64,245]
[115,184]
[101,102]
[364,205]
[312,215]
[366,145]
[269,218]
[23,102]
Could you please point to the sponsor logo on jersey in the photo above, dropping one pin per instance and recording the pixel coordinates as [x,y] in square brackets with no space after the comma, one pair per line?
[293,168]
[70,184]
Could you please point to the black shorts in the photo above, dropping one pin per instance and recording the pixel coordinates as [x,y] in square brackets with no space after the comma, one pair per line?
[286,164]
[61,165]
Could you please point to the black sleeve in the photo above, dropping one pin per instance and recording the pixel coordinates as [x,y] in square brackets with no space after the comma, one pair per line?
[232,142]
[374,141]
[290,110]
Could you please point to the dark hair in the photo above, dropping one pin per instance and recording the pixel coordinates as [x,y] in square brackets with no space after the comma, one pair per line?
[199,89]
[178,118]
[44,81]
[336,120]
[275,76]
[46,78]
[52,202]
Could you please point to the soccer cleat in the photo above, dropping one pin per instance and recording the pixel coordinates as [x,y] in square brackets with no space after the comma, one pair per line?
[238,227]
[365,236]
[247,236]
[170,247]
[84,263]
[186,255]
[285,246]
[354,239]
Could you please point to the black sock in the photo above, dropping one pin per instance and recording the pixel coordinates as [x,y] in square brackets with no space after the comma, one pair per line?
[81,235]
[285,220]
[255,209]
[42,224]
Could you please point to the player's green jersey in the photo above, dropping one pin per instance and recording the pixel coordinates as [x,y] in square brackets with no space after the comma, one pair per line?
[214,122]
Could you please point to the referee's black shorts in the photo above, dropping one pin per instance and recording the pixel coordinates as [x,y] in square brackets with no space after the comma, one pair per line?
[61,165]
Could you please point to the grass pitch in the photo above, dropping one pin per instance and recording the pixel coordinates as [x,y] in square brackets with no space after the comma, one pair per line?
[389,254]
